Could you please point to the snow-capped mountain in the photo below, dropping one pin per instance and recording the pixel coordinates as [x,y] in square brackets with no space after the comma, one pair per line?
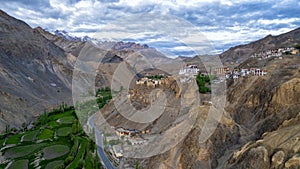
[66,35]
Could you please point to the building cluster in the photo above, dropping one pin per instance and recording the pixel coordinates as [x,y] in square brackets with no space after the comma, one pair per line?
[130,132]
[242,72]
[131,136]
[189,70]
[148,82]
[126,132]
[275,53]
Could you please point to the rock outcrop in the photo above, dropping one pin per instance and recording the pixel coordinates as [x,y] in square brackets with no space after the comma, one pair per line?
[259,127]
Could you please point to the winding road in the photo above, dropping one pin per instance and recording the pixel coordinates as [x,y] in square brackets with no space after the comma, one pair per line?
[99,140]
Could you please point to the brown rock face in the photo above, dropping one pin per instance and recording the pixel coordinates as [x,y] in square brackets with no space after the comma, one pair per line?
[260,127]
[287,93]
[278,159]
[293,162]
[35,74]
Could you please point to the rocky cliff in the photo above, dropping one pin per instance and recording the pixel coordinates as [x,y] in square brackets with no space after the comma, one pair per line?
[259,127]
[35,73]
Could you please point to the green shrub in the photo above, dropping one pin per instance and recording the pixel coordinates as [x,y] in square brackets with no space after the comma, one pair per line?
[69,159]
[204,89]
[14,139]
[74,148]
[80,163]
[201,81]
[46,134]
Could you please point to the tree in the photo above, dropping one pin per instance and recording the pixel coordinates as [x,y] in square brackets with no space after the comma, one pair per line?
[137,165]
[204,89]
[43,118]
[63,106]
[75,127]
[297,46]
[7,129]
[201,81]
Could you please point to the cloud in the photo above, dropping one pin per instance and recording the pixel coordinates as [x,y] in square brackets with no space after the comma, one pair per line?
[224,23]
[278,21]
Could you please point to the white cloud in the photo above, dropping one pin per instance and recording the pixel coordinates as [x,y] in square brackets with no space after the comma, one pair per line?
[222,22]
[277,21]
[61,6]
[285,3]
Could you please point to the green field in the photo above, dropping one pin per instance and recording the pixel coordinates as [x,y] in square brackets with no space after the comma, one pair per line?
[66,120]
[20,164]
[30,136]
[79,156]
[55,151]
[52,124]
[64,131]
[15,139]
[54,164]
[45,134]
[2,141]
[56,141]
[21,151]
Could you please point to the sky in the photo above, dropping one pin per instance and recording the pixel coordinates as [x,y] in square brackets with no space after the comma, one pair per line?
[165,25]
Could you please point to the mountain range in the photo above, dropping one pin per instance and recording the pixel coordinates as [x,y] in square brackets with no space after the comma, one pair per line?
[36,68]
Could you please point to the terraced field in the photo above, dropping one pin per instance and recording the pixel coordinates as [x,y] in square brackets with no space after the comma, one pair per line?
[56,141]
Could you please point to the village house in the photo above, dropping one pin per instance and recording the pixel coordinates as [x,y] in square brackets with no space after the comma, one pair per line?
[141,81]
[145,131]
[245,72]
[259,72]
[235,76]
[137,141]
[126,132]
[295,52]
[227,76]
[221,71]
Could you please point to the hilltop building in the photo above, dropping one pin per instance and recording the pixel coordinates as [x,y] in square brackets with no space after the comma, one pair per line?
[275,53]
[189,70]
[148,82]
[243,72]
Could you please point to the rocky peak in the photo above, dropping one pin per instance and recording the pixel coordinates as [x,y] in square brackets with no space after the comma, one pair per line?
[128,46]
[67,36]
